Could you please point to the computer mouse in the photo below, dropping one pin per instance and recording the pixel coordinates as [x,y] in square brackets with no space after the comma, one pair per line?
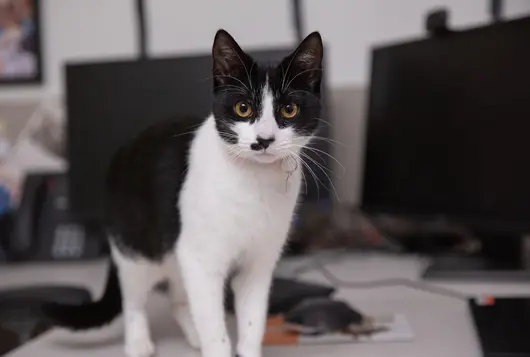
[316,316]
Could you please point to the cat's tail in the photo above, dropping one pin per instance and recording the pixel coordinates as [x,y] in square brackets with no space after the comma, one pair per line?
[90,315]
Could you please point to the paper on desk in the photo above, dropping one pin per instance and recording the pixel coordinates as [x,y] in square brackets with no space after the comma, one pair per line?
[396,329]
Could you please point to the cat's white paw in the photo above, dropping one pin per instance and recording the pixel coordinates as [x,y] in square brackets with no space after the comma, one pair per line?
[183,317]
[137,347]
[193,338]
[248,352]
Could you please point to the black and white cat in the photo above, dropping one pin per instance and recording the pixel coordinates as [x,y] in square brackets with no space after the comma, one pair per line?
[197,201]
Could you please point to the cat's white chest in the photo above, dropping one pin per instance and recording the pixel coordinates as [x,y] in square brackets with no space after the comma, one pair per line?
[235,210]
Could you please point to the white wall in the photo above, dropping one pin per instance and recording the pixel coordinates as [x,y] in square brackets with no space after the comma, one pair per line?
[105,29]
[76,30]
[253,23]
[516,8]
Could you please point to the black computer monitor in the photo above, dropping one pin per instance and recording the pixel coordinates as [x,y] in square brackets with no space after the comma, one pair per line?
[109,103]
[448,137]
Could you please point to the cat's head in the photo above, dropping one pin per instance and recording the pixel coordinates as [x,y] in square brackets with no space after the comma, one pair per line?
[262,112]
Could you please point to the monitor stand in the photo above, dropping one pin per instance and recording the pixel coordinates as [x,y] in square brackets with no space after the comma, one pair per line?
[502,258]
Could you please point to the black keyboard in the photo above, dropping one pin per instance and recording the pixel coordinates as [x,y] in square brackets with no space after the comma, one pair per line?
[503,326]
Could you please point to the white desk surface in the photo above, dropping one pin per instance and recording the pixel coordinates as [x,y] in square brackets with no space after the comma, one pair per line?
[442,325]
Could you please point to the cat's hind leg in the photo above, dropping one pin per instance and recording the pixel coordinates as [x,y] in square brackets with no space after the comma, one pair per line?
[179,303]
[137,278]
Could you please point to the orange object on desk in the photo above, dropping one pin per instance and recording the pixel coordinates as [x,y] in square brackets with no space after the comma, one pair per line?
[276,333]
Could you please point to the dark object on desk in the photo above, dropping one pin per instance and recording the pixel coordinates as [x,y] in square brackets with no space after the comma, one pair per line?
[343,227]
[317,316]
[433,159]
[44,228]
[503,326]
[425,237]
[20,316]
[285,294]
[500,258]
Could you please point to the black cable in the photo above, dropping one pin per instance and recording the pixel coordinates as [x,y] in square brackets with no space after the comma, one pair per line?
[142,29]
[297,20]
[496,9]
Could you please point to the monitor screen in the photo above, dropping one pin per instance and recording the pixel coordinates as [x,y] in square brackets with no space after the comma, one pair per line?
[108,104]
[449,126]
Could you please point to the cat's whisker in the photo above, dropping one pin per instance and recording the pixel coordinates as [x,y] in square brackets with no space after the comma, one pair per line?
[245,67]
[186,133]
[235,153]
[305,181]
[331,141]
[302,91]
[323,121]
[321,160]
[290,144]
[315,177]
[249,74]
[245,88]
[324,172]
[316,151]
[231,86]
[228,135]
[234,91]
[294,156]
[317,163]
[289,66]
[298,74]
[285,144]
[232,77]
[193,129]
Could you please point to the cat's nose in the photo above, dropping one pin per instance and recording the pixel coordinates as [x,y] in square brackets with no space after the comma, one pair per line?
[262,143]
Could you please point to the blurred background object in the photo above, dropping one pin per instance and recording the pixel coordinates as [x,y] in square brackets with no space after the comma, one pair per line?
[20,51]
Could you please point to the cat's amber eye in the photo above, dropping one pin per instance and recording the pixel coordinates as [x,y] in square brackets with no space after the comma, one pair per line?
[289,111]
[243,109]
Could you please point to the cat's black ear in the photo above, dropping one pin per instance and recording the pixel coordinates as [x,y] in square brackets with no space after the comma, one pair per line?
[229,60]
[304,65]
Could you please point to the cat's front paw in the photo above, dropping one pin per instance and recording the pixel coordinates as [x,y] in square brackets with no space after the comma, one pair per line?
[183,317]
[193,338]
[137,347]
[249,353]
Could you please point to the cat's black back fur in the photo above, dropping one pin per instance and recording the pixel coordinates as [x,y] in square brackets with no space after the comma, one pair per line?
[142,217]
[143,187]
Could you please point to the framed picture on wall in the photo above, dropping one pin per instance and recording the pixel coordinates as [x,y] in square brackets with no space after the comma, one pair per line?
[20,55]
